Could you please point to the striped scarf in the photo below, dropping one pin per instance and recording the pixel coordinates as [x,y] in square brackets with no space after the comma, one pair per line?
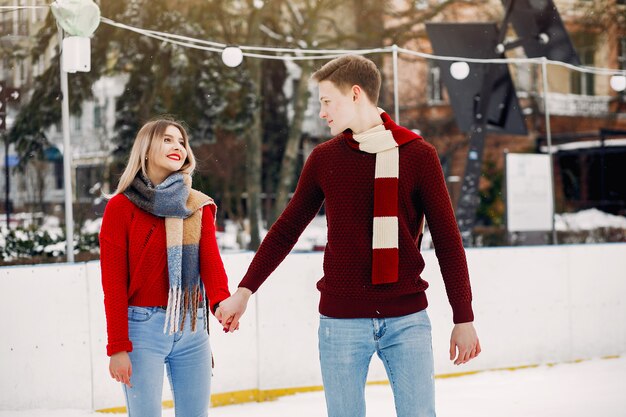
[181,206]
[384,140]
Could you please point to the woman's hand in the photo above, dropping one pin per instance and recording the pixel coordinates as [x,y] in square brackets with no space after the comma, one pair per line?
[120,368]
[230,310]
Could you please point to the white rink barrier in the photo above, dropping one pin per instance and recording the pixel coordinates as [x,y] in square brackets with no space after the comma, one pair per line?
[533,305]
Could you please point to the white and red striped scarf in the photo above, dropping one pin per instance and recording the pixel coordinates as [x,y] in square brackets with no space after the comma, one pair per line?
[384,140]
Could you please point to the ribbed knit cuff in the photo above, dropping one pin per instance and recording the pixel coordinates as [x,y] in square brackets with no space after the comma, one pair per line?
[462,313]
[215,306]
[246,283]
[113,348]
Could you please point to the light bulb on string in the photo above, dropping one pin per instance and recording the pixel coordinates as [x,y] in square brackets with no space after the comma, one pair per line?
[232,56]
[618,82]
[459,70]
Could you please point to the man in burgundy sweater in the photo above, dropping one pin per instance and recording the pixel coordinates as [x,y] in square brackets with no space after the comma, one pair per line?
[377,180]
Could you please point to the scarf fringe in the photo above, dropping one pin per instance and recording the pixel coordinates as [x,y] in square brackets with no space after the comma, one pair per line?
[179,304]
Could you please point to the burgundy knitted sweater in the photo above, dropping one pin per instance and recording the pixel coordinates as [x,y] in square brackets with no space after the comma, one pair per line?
[342,178]
[133,261]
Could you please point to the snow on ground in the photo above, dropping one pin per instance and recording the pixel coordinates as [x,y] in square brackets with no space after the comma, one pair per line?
[314,236]
[588,220]
[589,388]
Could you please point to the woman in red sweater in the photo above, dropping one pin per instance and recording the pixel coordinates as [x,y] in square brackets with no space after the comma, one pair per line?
[161,272]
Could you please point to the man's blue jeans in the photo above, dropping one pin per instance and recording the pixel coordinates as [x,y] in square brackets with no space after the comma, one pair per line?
[186,355]
[404,344]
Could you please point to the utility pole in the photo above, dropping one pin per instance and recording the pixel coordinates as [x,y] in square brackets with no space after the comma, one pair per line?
[7,94]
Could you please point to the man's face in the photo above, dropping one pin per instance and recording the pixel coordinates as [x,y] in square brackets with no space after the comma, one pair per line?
[337,107]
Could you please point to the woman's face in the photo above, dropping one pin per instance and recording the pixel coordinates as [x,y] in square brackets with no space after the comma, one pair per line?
[169,155]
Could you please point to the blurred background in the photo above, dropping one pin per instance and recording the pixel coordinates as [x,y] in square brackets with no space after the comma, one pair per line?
[533,152]
[253,125]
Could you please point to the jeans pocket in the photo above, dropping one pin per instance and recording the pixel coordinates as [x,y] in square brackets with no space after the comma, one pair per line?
[139,314]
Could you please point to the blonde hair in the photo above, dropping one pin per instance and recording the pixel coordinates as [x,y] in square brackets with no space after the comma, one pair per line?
[150,134]
[349,70]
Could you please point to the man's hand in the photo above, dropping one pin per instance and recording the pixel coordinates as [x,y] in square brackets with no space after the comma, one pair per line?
[231,309]
[120,368]
[464,341]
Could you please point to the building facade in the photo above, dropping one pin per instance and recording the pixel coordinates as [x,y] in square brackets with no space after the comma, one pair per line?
[581,105]
[39,188]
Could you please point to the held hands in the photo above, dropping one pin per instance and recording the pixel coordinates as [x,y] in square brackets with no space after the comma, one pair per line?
[231,309]
[464,341]
[120,368]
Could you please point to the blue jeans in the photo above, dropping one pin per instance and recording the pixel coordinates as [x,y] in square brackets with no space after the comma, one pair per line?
[186,355]
[403,344]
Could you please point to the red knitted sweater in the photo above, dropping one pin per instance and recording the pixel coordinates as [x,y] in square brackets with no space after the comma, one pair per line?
[133,262]
[342,178]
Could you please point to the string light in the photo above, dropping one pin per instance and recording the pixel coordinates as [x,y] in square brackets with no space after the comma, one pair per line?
[297,54]
[618,83]
[232,56]
[459,70]
[333,53]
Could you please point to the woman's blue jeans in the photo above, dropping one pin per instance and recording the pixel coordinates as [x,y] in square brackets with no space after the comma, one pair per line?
[404,344]
[186,355]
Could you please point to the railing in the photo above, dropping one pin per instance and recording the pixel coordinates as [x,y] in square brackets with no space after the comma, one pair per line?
[575,105]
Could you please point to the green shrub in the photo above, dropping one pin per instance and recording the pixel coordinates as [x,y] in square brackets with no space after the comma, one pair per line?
[31,245]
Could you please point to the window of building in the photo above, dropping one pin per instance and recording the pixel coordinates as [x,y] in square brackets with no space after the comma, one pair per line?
[585,45]
[98,114]
[421,4]
[621,63]
[435,85]
[425,4]
[23,72]
[33,13]
[22,20]
[621,52]
[58,174]
[77,123]
[38,67]
[86,177]
[6,24]
[592,177]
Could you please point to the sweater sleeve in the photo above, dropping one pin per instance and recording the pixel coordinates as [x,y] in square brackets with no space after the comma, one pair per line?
[284,233]
[115,273]
[446,237]
[211,266]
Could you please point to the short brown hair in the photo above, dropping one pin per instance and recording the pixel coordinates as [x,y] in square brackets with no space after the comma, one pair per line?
[349,70]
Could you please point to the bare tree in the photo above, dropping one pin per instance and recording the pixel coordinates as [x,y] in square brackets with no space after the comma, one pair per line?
[362,24]
[311,24]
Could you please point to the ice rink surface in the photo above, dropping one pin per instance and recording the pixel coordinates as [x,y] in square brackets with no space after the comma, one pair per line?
[588,388]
